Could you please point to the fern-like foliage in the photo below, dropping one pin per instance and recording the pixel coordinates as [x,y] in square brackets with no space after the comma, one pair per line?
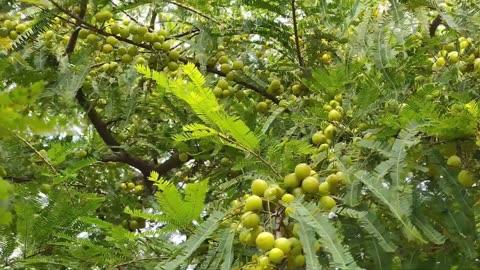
[203,102]
[308,215]
[193,242]
[178,210]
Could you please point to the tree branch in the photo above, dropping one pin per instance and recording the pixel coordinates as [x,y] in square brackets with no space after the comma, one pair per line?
[434,25]
[295,30]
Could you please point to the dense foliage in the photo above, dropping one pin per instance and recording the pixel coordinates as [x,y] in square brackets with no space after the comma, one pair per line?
[253,134]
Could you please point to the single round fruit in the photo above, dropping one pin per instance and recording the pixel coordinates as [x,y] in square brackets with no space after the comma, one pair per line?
[138,188]
[276,255]
[263,261]
[324,188]
[284,244]
[259,186]
[83,33]
[288,198]
[333,180]
[172,66]
[330,131]
[275,84]
[302,170]
[453,57]
[323,147]
[327,202]
[127,58]
[223,60]
[131,186]
[253,203]
[237,65]
[112,40]
[13,35]
[103,16]
[265,240]
[291,181]
[225,68]
[149,37]
[440,62]
[223,84]
[174,55]
[326,58]
[123,186]
[133,224]
[45,188]
[250,220]
[107,48]
[183,157]
[20,28]
[273,193]
[465,178]
[262,106]
[299,260]
[245,237]
[334,115]
[231,76]
[454,161]
[310,184]
[225,161]
[217,91]
[296,89]
[318,138]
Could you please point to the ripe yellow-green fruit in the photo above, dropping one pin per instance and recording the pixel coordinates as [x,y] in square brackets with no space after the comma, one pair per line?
[166,46]
[217,91]
[13,35]
[231,76]
[324,188]
[157,46]
[440,62]
[333,180]
[327,202]
[124,32]
[127,58]
[275,84]
[253,203]
[310,184]
[276,255]
[133,224]
[454,161]
[318,138]
[284,244]
[130,186]
[142,30]
[323,147]
[223,84]
[20,28]
[223,60]
[263,261]
[225,161]
[9,24]
[265,241]
[141,61]
[465,178]
[296,89]
[83,33]
[273,193]
[107,48]
[291,181]
[174,55]
[261,106]
[162,32]
[149,37]
[259,186]
[334,115]
[302,170]
[326,58]
[330,131]
[288,198]
[172,66]
[299,260]
[453,57]
[112,40]
[225,68]
[237,65]
[250,220]
[138,188]
[115,29]
[123,186]
[133,29]
[464,44]
[45,188]
[183,157]
[81,153]
[91,38]
[245,237]
[103,16]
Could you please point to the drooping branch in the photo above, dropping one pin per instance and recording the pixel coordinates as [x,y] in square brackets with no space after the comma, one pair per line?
[434,25]
[121,155]
[295,31]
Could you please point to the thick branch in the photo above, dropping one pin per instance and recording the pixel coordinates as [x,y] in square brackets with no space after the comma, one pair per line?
[434,25]
[295,30]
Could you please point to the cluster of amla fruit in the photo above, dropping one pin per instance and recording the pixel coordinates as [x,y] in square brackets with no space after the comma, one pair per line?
[12,29]
[464,177]
[280,244]
[137,188]
[231,70]
[133,223]
[462,53]
[324,138]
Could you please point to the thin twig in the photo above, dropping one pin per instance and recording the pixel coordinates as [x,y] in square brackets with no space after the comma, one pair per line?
[37,152]
[192,10]
[295,30]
